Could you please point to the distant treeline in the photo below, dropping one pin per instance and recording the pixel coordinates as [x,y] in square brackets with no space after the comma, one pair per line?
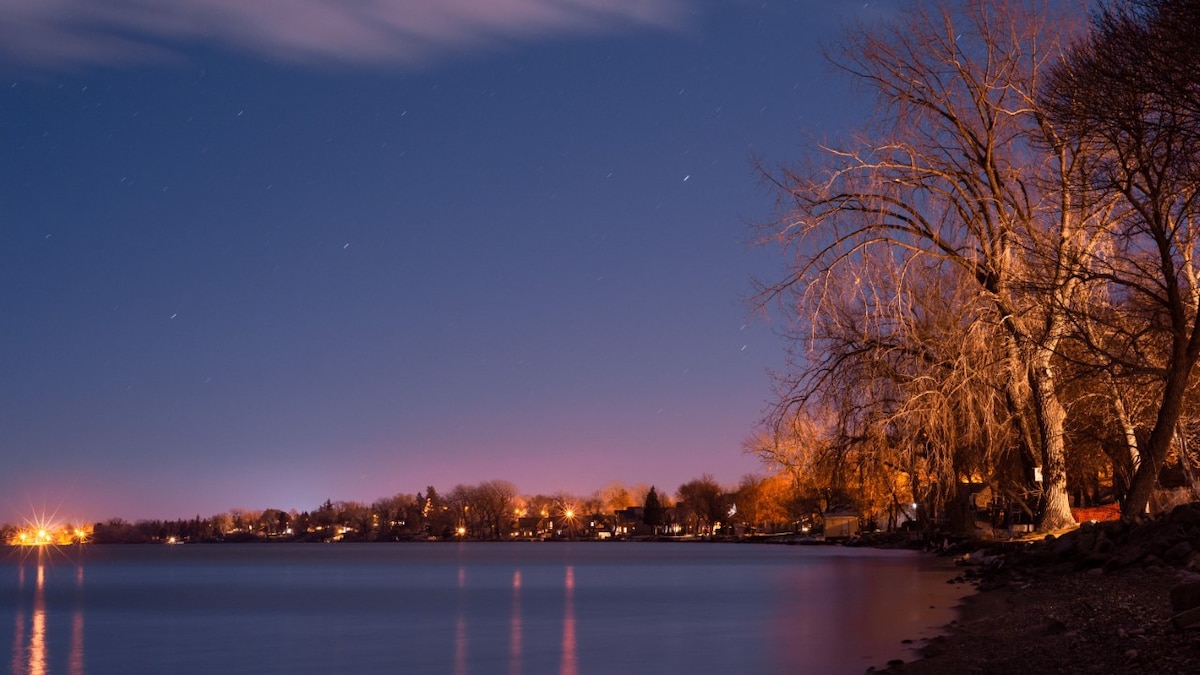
[494,510]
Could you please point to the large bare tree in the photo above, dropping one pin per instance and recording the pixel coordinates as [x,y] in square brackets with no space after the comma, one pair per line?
[1130,91]
[962,177]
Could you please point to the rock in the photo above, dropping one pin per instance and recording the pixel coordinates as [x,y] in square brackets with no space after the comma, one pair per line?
[1131,653]
[1185,514]
[1127,556]
[1179,553]
[1063,545]
[974,558]
[1116,529]
[1054,627]
[1189,618]
[1084,543]
[1185,595]
[1166,538]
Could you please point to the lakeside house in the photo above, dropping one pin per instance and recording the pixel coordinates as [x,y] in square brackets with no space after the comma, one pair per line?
[841,524]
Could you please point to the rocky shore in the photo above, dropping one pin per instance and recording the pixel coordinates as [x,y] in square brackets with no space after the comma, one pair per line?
[1110,598]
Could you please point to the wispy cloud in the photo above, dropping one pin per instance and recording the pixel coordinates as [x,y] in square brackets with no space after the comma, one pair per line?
[62,34]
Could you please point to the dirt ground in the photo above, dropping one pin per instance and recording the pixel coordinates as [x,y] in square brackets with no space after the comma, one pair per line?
[1056,620]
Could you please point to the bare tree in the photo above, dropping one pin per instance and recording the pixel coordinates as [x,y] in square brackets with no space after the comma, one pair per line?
[963,178]
[494,500]
[702,500]
[615,497]
[1131,90]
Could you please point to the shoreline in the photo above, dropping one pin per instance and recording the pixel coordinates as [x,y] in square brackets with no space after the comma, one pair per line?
[1072,623]
[1095,600]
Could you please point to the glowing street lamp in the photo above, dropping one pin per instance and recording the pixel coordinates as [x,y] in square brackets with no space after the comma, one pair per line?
[568,514]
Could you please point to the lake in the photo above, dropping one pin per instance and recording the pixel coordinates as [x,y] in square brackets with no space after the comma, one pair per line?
[458,608]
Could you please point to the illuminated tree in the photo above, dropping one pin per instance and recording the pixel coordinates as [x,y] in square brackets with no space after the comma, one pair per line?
[354,518]
[221,524]
[1131,93]
[961,180]
[762,502]
[272,522]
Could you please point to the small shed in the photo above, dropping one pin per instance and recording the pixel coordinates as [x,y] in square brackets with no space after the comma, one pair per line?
[840,524]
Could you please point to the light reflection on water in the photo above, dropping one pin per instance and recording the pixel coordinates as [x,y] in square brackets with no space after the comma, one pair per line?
[468,609]
[514,632]
[568,641]
[460,627]
[37,635]
[19,631]
[31,631]
[75,663]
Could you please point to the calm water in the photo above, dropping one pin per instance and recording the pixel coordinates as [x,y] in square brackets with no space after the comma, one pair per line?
[564,609]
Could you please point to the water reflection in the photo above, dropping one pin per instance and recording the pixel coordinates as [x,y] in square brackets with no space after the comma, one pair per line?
[568,639]
[37,634]
[515,609]
[514,633]
[489,639]
[29,654]
[460,626]
[30,636]
[19,631]
[869,605]
[75,664]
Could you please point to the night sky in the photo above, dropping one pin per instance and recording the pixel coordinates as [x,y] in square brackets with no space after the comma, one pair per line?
[260,254]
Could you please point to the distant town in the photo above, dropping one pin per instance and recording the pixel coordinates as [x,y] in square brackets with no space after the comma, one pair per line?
[493,510]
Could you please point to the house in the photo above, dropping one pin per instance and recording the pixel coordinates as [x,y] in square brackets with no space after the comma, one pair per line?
[841,524]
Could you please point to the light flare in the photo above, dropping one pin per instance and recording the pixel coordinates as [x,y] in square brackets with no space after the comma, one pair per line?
[43,530]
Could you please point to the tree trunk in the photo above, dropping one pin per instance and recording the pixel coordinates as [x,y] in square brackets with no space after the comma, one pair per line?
[1155,452]
[1127,428]
[1017,397]
[1031,391]
[1056,511]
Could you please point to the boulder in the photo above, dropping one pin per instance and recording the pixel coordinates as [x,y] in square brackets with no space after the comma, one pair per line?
[1063,545]
[1189,618]
[1185,514]
[1126,556]
[1185,595]
[1179,553]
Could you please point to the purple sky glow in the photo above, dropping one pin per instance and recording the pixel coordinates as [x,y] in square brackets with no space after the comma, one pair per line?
[261,254]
